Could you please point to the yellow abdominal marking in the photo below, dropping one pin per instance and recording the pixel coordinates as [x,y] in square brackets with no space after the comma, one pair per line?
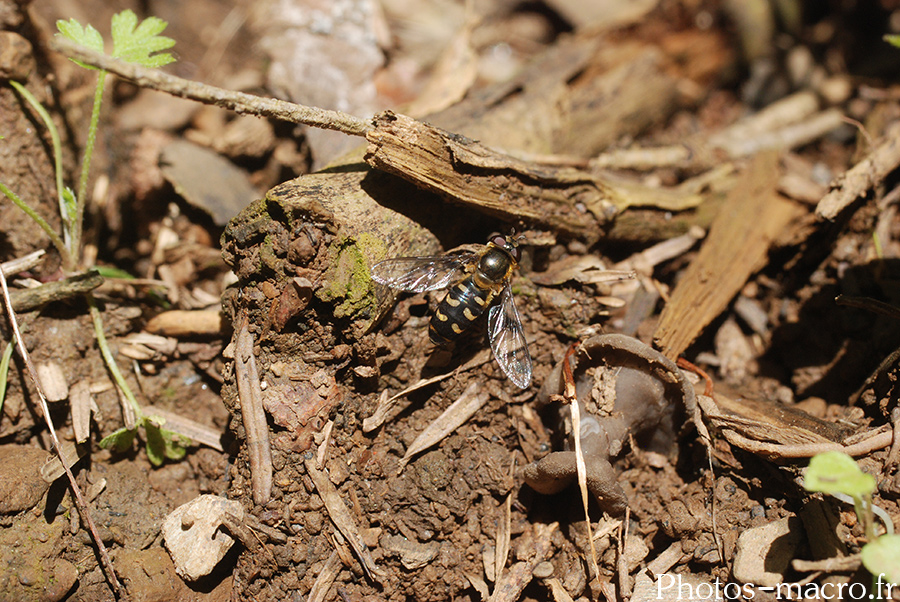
[440,316]
[468,314]
[480,300]
[456,328]
[451,301]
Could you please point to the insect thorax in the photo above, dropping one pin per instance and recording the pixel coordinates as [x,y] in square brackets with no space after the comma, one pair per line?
[494,267]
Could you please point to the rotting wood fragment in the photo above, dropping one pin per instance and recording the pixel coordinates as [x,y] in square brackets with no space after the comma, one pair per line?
[462,170]
[772,431]
[28,299]
[753,215]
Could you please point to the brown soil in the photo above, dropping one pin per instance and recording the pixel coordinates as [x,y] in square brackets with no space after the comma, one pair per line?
[344,500]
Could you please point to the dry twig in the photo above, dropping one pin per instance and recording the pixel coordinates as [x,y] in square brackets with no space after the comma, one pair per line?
[253,414]
[239,102]
[83,508]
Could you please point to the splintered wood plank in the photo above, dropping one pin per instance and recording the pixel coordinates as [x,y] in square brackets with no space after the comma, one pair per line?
[751,218]
[462,170]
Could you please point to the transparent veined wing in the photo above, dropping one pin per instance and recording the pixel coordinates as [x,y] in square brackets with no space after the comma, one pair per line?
[419,274]
[508,340]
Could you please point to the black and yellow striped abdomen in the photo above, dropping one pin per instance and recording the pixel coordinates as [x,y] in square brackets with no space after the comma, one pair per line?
[464,303]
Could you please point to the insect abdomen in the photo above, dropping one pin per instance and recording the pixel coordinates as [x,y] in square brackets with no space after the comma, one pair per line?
[464,303]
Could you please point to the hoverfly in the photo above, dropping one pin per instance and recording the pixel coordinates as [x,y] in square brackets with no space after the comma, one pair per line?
[477,279]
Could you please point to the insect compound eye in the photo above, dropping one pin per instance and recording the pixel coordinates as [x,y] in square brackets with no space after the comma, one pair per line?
[497,239]
[514,251]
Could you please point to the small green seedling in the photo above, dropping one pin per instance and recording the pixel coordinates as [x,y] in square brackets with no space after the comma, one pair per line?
[138,42]
[837,474]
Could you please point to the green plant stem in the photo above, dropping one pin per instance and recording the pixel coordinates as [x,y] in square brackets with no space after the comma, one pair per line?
[54,237]
[57,154]
[111,361]
[81,198]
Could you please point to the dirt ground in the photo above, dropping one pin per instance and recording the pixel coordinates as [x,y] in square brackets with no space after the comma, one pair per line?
[732,164]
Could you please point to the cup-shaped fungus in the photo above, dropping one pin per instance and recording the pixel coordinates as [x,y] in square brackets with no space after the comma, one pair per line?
[625,389]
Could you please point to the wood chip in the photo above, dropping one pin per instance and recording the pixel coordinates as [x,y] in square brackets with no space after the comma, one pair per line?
[413,555]
[558,591]
[193,430]
[81,402]
[501,549]
[513,582]
[253,414]
[53,380]
[21,264]
[33,298]
[472,399]
[53,469]
[325,578]
[753,215]
[181,323]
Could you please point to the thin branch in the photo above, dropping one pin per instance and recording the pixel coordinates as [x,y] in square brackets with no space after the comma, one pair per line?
[239,102]
[83,508]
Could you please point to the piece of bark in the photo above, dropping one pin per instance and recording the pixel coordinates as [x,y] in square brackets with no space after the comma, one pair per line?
[33,298]
[565,200]
[751,218]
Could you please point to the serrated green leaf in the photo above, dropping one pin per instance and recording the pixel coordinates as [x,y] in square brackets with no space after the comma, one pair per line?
[119,440]
[836,472]
[882,557]
[137,42]
[86,36]
[156,444]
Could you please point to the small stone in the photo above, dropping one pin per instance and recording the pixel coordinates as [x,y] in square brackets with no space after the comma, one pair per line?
[764,553]
[543,570]
[64,576]
[16,58]
[21,485]
[193,536]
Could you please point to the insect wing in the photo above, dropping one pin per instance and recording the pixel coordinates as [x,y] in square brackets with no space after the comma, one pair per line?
[508,340]
[419,274]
